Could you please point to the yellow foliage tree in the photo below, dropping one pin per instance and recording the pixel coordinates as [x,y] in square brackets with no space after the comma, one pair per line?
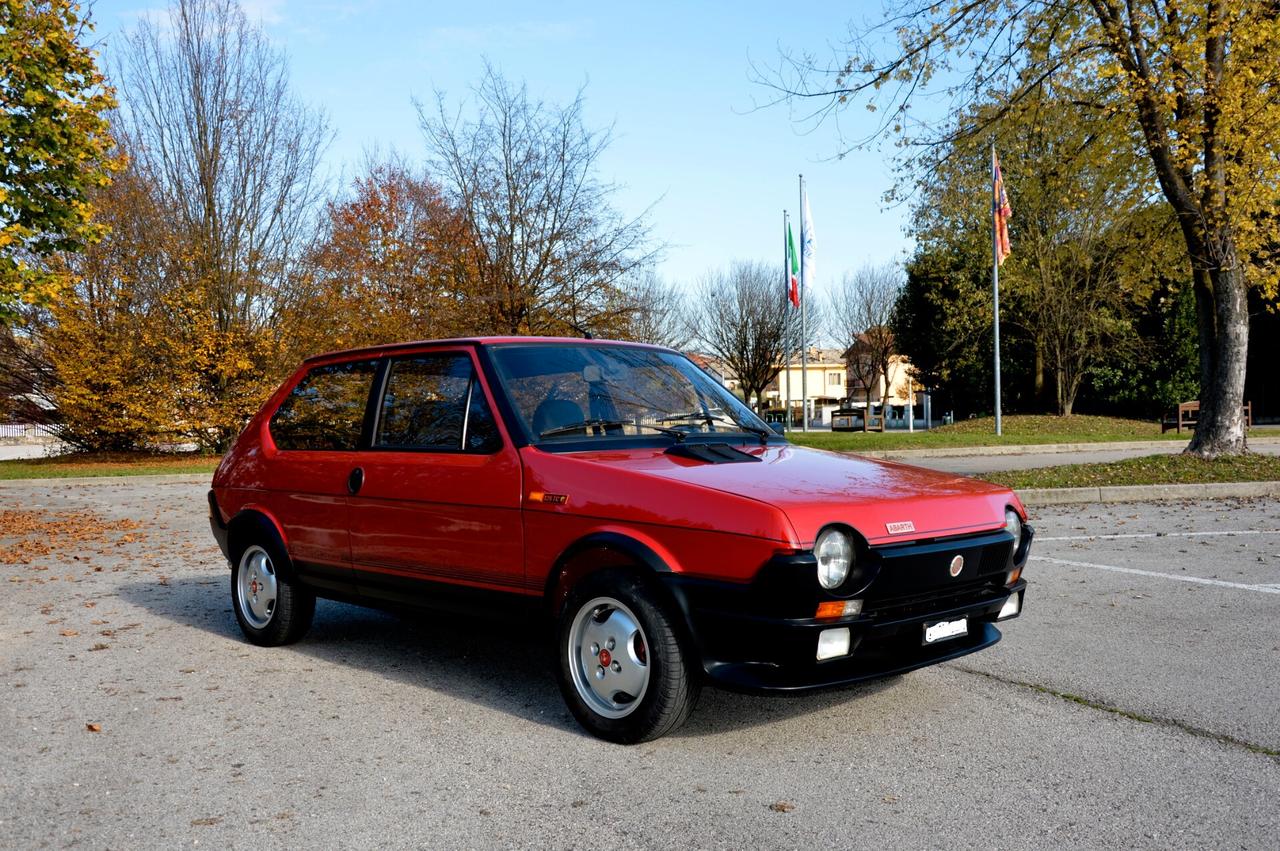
[1195,83]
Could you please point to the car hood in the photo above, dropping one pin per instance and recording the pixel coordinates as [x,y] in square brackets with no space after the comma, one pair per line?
[883,500]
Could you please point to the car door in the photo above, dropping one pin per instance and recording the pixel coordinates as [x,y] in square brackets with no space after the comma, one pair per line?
[315,433]
[441,486]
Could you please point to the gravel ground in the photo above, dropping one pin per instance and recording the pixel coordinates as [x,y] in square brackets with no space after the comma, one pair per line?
[1123,709]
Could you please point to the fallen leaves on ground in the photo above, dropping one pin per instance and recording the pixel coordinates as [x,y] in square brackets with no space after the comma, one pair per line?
[782,806]
[93,728]
[40,533]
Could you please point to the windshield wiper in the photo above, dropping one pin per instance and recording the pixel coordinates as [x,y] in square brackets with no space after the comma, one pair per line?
[712,419]
[695,415]
[603,423]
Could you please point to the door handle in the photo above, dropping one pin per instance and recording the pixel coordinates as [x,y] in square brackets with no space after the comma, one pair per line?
[355,481]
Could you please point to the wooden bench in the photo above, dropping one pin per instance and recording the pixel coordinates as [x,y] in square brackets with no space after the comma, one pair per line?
[1188,413]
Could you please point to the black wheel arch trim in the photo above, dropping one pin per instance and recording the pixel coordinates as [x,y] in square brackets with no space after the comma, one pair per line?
[249,518]
[632,550]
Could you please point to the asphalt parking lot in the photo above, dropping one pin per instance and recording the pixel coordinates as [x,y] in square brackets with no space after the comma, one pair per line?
[1136,703]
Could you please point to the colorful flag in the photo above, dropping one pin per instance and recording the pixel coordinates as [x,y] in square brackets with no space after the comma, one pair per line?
[807,242]
[1002,211]
[793,264]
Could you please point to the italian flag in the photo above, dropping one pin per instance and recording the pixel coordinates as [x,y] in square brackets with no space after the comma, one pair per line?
[793,262]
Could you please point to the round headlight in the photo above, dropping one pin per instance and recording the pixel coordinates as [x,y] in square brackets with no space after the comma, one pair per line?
[1013,524]
[834,551]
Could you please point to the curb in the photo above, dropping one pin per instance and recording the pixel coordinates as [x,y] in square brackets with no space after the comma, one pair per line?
[1170,445]
[159,478]
[1147,493]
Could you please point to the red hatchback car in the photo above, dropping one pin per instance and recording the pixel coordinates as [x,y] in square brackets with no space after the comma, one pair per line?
[669,534]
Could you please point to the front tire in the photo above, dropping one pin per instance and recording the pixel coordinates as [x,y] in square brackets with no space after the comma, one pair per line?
[271,607]
[623,668]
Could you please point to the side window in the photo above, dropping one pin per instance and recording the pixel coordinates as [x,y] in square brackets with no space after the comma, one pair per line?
[435,402]
[326,408]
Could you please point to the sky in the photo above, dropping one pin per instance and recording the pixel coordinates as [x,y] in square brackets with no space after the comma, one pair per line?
[674,80]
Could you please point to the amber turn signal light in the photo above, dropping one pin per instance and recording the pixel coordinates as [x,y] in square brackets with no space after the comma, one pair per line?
[839,609]
[1014,575]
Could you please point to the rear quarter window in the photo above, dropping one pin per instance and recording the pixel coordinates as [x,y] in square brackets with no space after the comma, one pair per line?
[326,409]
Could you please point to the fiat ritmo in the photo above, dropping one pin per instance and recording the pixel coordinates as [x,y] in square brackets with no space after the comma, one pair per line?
[670,538]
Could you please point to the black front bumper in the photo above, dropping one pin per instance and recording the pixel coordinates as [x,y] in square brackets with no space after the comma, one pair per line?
[762,637]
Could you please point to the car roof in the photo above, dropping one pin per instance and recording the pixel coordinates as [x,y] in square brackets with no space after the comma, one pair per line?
[391,348]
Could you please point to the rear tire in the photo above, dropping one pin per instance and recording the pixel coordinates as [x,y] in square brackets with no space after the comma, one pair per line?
[623,668]
[271,607]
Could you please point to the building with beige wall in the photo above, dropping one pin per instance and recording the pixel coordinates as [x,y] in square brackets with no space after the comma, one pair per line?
[825,383]
[830,384]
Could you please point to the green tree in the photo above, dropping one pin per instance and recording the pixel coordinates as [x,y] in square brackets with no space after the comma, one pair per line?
[1079,187]
[941,322]
[54,145]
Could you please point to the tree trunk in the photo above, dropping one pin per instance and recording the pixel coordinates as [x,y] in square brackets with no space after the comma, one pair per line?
[1220,427]
[1206,326]
[1039,385]
[1060,392]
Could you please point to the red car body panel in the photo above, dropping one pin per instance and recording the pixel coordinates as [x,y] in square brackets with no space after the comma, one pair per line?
[439,515]
[789,499]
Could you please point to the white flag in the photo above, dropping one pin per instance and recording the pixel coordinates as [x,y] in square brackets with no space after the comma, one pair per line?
[807,241]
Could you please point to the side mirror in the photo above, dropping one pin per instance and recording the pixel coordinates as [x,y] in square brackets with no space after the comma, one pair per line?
[778,428]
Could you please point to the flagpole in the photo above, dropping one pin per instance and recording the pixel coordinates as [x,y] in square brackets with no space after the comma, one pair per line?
[786,333]
[995,281]
[804,337]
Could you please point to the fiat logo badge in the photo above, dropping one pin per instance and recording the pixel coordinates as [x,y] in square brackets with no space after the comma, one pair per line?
[957,565]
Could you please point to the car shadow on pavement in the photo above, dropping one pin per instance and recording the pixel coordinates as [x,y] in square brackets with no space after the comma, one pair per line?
[454,655]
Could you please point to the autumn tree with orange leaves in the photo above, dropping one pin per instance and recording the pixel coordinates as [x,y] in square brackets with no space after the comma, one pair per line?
[394,264]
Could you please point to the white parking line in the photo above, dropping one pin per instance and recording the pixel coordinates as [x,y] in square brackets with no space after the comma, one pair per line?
[1221,583]
[1040,538]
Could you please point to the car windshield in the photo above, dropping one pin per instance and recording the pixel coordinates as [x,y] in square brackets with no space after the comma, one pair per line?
[566,392]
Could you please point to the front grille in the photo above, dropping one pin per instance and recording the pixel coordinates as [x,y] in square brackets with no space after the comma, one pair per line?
[914,579]
[936,600]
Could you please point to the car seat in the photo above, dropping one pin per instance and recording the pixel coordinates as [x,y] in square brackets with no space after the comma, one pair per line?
[554,413]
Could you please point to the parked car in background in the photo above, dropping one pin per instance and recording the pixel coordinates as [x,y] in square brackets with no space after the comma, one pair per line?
[670,537]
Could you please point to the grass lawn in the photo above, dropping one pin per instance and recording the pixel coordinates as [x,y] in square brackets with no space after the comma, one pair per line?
[106,464]
[1148,470]
[1019,429]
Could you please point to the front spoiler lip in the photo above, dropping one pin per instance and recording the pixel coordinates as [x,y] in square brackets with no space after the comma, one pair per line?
[770,678]
[879,649]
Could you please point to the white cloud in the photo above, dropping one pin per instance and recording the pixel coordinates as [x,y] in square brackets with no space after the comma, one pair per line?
[267,12]
[493,36]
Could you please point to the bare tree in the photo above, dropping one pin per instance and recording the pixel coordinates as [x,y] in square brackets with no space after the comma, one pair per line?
[742,317]
[209,118]
[211,123]
[860,311]
[552,252]
[658,313]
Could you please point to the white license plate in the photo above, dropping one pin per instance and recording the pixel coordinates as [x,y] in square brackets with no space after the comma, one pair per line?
[943,630]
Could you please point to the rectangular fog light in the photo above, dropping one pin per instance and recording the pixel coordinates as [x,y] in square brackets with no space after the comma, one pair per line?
[1011,607]
[833,643]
